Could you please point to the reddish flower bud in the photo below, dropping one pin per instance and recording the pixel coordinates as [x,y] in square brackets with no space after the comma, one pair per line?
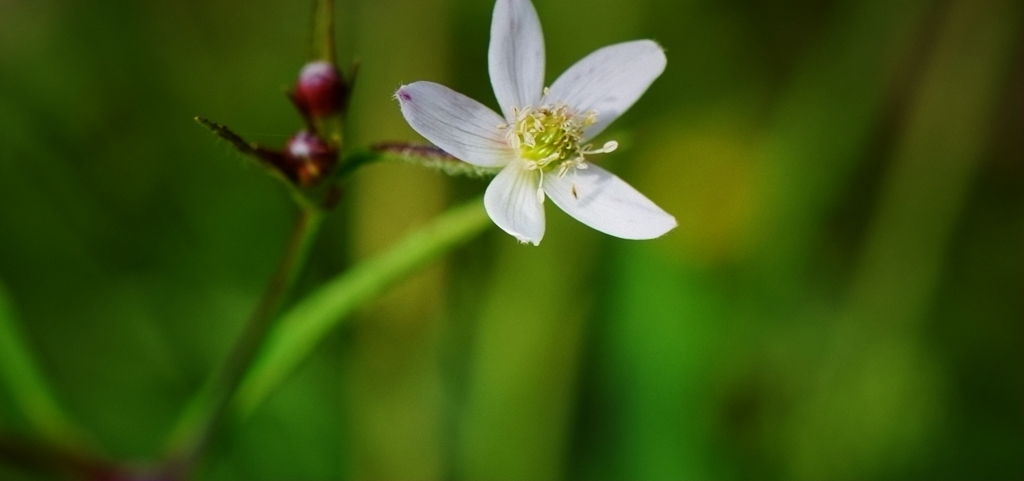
[308,158]
[321,90]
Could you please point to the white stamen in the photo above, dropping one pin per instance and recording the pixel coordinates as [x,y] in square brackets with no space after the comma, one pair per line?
[551,134]
[608,147]
[540,188]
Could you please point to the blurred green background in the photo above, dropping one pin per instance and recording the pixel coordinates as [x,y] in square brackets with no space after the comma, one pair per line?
[841,300]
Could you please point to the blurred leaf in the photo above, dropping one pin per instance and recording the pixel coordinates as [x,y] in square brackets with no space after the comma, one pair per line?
[712,193]
[825,119]
[522,380]
[666,324]
[948,131]
[886,387]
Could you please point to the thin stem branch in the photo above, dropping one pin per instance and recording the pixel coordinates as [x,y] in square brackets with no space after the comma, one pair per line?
[321,41]
[418,154]
[204,415]
[305,324]
[37,456]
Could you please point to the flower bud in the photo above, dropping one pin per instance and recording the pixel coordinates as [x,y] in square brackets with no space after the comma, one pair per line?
[321,90]
[309,158]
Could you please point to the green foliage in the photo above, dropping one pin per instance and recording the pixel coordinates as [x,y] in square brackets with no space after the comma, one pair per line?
[840,301]
[28,387]
[305,325]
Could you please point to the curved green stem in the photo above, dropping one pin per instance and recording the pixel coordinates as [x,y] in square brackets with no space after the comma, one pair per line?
[302,327]
[422,155]
[205,413]
[27,385]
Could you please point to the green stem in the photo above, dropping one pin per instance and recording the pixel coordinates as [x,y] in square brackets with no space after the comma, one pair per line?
[418,154]
[321,40]
[307,323]
[27,385]
[53,461]
[205,413]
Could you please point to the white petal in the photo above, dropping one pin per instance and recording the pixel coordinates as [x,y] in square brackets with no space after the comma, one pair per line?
[458,124]
[609,80]
[516,55]
[606,203]
[514,202]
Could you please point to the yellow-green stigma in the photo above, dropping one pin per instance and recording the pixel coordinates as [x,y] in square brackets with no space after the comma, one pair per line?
[552,135]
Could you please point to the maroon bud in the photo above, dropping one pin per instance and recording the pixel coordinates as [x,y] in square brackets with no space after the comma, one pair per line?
[321,89]
[309,158]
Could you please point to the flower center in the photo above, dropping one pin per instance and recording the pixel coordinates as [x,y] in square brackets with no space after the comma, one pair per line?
[552,135]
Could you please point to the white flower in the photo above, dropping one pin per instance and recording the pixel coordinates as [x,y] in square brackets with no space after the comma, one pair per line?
[541,141]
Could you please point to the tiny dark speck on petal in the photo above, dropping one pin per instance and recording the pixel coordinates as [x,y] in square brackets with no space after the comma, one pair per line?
[404,95]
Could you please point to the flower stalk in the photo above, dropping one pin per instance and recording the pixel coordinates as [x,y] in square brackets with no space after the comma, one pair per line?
[426,156]
[305,325]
